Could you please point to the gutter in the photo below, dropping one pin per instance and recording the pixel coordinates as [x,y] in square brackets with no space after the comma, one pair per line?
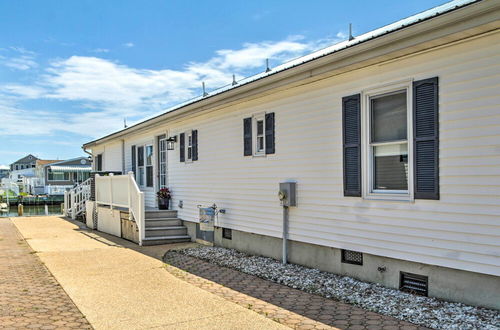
[87,152]
[362,45]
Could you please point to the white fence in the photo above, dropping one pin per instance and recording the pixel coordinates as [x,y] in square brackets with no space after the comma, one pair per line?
[122,191]
[56,189]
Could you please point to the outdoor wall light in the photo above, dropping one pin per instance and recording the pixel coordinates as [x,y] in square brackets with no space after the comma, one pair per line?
[171,142]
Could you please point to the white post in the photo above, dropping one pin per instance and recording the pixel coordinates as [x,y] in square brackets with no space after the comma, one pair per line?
[142,211]
[73,206]
[46,209]
[129,184]
[111,191]
[65,210]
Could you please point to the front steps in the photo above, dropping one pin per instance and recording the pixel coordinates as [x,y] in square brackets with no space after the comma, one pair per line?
[163,227]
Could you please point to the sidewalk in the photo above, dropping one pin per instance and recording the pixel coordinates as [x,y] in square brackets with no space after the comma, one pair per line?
[291,307]
[118,285]
[29,295]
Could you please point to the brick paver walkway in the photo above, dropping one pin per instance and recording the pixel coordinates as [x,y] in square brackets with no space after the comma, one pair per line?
[288,306]
[30,297]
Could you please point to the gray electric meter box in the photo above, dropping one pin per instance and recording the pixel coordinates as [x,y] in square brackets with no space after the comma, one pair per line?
[289,190]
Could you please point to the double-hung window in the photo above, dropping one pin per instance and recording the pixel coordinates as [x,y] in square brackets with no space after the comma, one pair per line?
[259,135]
[390,139]
[140,166]
[145,166]
[149,165]
[389,143]
[189,146]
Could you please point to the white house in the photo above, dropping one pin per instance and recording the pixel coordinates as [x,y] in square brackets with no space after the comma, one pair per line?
[392,139]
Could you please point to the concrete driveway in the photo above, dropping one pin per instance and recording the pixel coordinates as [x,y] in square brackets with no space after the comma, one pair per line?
[118,285]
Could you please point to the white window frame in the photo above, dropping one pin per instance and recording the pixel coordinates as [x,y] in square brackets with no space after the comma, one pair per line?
[145,165]
[367,153]
[63,179]
[96,162]
[152,165]
[162,153]
[255,119]
[188,136]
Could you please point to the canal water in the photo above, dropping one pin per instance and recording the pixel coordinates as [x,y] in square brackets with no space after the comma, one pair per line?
[31,210]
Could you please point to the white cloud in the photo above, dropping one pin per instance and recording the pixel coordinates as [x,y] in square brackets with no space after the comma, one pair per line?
[105,91]
[20,63]
[22,60]
[23,51]
[129,44]
[100,50]
[253,55]
[260,15]
[25,91]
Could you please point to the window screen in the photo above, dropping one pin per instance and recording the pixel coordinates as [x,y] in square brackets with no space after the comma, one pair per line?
[389,141]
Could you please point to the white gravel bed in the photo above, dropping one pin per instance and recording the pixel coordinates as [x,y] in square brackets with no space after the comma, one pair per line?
[425,311]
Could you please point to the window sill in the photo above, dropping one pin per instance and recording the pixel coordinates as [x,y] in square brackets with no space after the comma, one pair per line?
[389,197]
[259,155]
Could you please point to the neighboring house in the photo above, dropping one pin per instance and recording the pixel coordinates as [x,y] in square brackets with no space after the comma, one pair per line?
[393,139]
[28,161]
[61,175]
[53,177]
[37,184]
[4,171]
[22,170]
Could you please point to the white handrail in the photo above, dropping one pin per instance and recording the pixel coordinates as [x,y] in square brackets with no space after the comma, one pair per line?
[137,209]
[75,199]
[122,191]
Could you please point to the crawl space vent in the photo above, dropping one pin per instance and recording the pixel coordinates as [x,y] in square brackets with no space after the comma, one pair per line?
[352,257]
[227,233]
[413,283]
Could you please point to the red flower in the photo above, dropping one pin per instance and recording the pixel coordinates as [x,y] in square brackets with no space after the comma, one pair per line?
[164,193]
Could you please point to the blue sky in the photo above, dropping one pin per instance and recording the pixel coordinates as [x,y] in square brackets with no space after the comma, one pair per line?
[70,71]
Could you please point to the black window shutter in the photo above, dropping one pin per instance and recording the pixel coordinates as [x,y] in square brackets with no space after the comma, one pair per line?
[133,159]
[195,144]
[182,146]
[269,133]
[247,136]
[351,134]
[426,138]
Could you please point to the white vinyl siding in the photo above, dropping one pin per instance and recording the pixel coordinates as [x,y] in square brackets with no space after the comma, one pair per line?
[461,230]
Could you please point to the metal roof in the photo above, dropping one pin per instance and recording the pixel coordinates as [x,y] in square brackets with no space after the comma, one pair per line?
[425,15]
[70,168]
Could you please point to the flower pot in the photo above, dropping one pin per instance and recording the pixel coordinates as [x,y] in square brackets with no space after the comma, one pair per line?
[163,203]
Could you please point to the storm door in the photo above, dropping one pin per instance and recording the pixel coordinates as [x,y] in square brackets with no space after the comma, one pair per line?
[162,161]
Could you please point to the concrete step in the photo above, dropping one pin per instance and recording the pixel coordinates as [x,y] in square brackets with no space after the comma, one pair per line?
[158,240]
[155,214]
[163,222]
[166,231]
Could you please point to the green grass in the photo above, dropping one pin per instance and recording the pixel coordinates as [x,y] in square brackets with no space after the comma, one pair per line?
[11,193]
